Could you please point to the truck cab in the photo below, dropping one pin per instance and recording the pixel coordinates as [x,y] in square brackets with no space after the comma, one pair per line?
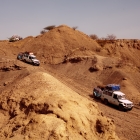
[112,94]
[28,58]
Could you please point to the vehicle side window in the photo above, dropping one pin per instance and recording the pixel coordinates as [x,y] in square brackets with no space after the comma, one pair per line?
[115,96]
[108,88]
[108,92]
[95,90]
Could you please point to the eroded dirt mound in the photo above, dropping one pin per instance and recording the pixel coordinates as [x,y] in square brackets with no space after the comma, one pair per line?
[41,107]
[57,44]
[127,50]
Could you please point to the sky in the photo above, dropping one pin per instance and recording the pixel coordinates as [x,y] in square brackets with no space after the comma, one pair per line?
[101,17]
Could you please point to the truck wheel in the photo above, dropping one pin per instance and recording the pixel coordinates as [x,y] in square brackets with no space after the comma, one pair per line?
[130,109]
[94,95]
[105,101]
[121,108]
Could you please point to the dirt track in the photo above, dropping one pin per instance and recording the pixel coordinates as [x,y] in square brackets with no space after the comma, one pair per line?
[127,123]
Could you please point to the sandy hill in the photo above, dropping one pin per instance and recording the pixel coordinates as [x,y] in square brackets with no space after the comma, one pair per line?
[57,44]
[41,107]
[78,62]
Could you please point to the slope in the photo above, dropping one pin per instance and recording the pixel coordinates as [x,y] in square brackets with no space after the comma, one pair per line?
[41,107]
[56,45]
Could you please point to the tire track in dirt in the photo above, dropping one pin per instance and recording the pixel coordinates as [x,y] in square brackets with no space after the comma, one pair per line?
[125,129]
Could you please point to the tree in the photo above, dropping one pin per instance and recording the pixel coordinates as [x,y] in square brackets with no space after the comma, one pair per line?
[94,37]
[111,37]
[49,27]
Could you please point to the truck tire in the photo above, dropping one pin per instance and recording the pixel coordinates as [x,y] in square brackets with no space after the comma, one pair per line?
[35,64]
[121,108]
[94,95]
[105,101]
[130,109]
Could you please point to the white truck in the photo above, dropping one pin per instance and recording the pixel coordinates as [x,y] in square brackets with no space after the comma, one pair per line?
[111,94]
[15,38]
[28,57]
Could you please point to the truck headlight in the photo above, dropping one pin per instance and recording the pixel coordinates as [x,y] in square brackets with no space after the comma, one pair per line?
[124,104]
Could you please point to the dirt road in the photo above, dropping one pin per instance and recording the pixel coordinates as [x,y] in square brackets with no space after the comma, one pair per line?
[127,123]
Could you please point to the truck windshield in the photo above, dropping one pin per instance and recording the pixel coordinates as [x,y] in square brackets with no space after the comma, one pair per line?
[122,97]
[33,57]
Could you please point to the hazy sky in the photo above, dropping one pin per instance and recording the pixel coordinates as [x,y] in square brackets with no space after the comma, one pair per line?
[100,17]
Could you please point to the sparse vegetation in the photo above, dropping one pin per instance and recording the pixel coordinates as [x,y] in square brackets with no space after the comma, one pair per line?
[109,37]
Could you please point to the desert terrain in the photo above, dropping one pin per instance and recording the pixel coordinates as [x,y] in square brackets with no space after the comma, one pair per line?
[54,100]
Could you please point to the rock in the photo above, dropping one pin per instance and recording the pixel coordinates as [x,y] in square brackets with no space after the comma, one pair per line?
[124,78]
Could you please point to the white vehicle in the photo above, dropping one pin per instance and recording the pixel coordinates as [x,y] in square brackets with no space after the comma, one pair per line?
[15,38]
[113,96]
[28,58]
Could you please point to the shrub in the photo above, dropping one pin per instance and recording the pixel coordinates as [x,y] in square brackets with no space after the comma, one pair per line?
[42,32]
[111,37]
[74,28]
[94,37]
[102,38]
